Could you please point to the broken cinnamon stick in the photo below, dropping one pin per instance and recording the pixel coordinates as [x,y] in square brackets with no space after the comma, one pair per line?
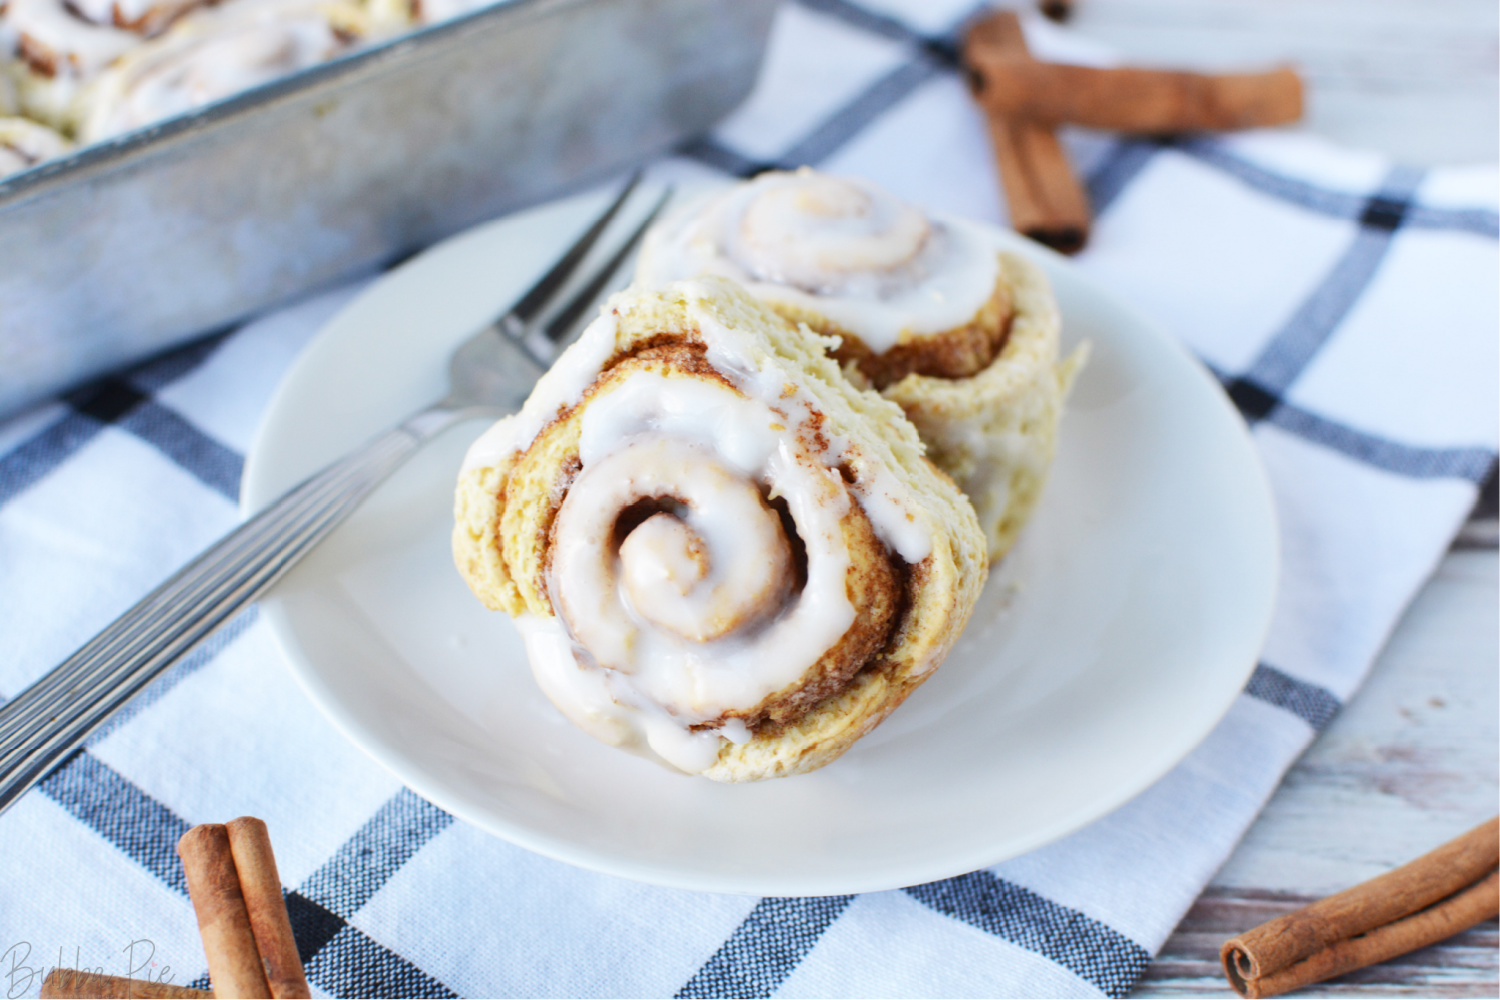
[92,985]
[1056,10]
[1140,101]
[1433,897]
[1045,199]
[260,884]
[234,964]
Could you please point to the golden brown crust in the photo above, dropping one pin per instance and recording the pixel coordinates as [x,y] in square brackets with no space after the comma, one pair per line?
[995,433]
[959,352]
[478,503]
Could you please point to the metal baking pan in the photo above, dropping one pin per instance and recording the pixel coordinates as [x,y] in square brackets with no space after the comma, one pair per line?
[129,246]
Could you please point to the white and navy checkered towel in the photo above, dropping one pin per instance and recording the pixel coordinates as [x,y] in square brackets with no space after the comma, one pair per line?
[1348,306]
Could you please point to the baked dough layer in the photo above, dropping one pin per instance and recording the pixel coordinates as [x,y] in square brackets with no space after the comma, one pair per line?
[995,432]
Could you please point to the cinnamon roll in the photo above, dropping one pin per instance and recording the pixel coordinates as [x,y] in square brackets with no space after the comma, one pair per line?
[24,144]
[924,310]
[56,51]
[215,53]
[57,37]
[721,554]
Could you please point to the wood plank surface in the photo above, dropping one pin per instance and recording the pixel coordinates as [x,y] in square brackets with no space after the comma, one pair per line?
[1409,763]
[1462,966]
[1413,759]
[1413,78]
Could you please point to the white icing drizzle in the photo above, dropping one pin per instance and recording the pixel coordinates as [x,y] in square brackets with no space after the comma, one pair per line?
[713,563]
[883,496]
[708,446]
[885,499]
[58,42]
[559,388]
[822,234]
[586,696]
[148,17]
[837,246]
[649,643]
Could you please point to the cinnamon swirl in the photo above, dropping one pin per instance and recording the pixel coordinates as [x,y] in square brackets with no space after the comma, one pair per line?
[721,554]
[963,338]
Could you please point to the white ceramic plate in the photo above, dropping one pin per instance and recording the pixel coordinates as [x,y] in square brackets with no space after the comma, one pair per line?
[1107,645]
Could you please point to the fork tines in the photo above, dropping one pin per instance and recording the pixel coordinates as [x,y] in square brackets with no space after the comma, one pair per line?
[522,322]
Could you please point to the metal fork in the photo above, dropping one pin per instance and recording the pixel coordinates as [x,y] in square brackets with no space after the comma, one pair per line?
[490,373]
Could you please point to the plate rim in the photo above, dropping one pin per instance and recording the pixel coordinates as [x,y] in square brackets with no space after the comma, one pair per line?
[257,490]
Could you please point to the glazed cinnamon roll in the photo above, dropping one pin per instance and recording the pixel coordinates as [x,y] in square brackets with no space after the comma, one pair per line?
[24,144]
[215,53]
[963,338]
[722,555]
[59,46]
[56,50]
[56,37]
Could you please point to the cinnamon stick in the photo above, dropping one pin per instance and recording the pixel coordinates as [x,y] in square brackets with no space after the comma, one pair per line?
[1140,101]
[90,985]
[1056,10]
[234,963]
[1045,199]
[260,884]
[1433,897]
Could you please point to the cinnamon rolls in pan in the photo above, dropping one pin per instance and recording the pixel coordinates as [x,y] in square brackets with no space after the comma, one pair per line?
[91,69]
[215,53]
[56,50]
[722,555]
[963,338]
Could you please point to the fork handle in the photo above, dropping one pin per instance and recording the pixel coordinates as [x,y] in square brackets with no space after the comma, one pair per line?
[52,717]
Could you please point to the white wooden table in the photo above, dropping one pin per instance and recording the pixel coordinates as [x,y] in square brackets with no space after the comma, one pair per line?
[1412,760]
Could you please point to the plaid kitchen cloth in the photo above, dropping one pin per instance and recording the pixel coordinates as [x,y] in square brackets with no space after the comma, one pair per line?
[1348,306]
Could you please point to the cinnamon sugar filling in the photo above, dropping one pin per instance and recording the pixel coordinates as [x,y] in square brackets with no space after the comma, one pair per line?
[876,581]
[961,352]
